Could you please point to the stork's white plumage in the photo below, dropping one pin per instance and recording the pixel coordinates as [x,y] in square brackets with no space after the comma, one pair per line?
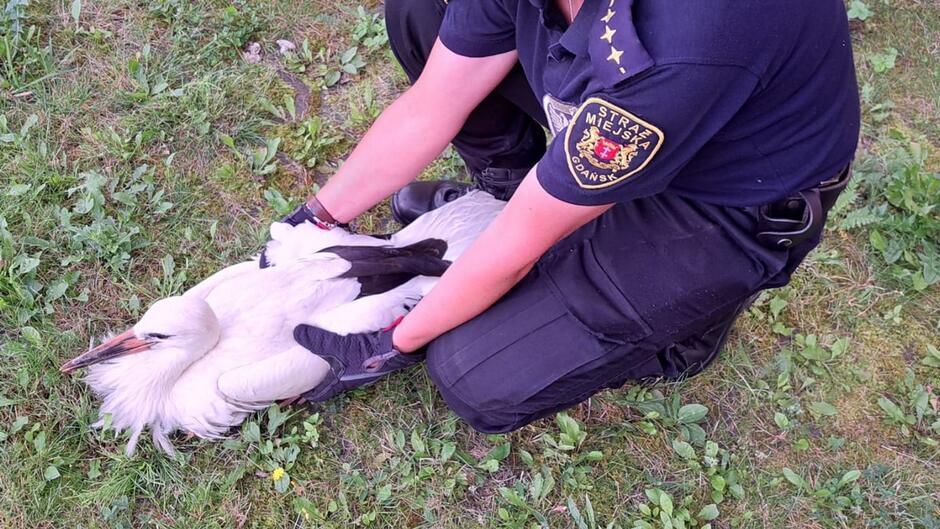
[202,361]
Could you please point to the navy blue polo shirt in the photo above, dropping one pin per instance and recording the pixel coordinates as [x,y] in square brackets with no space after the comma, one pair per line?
[731,103]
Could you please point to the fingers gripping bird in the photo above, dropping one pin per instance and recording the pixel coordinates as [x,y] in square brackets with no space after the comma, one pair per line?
[203,361]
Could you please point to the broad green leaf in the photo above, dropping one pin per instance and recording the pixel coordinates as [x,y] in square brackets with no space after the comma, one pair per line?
[399,439]
[159,87]
[708,513]
[499,453]
[51,473]
[567,424]
[665,503]
[933,357]
[823,408]
[56,290]
[227,141]
[251,432]
[882,62]
[859,10]
[711,449]
[348,55]
[849,477]
[877,240]
[692,413]
[39,442]
[653,495]
[447,450]
[684,449]
[781,420]
[794,478]
[490,465]
[417,444]
[18,424]
[839,347]
[32,335]
[18,189]
[384,493]
[777,304]
[717,482]
[283,483]
[892,409]
[94,470]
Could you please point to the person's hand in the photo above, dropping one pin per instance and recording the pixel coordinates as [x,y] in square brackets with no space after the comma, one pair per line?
[355,359]
[298,216]
[310,211]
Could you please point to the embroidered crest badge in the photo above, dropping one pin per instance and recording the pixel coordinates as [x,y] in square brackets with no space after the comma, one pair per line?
[606,144]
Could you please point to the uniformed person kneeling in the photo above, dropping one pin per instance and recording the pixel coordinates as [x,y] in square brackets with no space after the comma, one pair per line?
[695,149]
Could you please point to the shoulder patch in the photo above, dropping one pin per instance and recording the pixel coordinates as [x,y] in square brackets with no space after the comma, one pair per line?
[605,144]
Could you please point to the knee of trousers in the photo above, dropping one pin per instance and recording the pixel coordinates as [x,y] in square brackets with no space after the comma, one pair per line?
[474,404]
[399,12]
[413,22]
[413,26]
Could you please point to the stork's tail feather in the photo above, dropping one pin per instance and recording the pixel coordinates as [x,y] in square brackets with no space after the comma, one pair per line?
[382,268]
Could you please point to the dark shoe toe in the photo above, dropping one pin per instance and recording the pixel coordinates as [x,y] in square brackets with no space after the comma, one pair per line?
[417,198]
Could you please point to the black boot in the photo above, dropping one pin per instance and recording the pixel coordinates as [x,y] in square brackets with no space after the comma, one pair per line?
[690,357]
[418,198]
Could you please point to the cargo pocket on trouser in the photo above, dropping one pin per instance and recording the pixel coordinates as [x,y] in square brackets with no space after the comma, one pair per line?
[543,345]
[592,297]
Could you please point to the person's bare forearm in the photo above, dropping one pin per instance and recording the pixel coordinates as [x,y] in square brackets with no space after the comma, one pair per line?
[474,282]
[413,130]
[530,224]
[399,145]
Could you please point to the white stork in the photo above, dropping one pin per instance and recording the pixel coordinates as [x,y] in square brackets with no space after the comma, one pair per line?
[201,362]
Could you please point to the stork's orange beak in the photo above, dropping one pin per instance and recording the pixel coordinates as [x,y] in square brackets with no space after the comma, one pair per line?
[121,345]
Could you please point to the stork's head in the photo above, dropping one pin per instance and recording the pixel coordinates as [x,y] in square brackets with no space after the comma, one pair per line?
[181,327]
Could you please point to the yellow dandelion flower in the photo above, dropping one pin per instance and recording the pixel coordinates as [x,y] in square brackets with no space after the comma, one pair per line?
[277,474]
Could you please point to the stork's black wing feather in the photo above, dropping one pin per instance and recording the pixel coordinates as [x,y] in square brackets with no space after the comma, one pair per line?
[382,268]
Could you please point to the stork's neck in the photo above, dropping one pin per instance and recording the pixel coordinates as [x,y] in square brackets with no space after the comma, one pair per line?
[136,388]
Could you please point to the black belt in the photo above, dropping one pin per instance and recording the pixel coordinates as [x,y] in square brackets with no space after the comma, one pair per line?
[800,217]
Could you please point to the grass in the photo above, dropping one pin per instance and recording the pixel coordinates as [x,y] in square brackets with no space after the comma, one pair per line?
[133,163]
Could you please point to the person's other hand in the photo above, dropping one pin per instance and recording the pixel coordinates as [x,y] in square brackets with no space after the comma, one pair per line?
[355,359]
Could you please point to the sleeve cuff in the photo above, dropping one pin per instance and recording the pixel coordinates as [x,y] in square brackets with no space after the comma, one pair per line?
[476,48]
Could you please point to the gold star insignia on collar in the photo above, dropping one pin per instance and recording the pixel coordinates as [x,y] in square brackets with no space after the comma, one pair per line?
[608,35]
[610,14]
[614,55]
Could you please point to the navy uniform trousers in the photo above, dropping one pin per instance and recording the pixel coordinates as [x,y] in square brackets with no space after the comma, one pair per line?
[649,289]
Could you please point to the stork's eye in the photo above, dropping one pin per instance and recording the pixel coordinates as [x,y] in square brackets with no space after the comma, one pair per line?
[158,336]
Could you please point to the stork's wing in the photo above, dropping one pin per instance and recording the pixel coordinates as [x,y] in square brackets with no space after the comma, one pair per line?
[380,269]
[284,375]
[289,243]
[372,313]
[458,222]
[229,273]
